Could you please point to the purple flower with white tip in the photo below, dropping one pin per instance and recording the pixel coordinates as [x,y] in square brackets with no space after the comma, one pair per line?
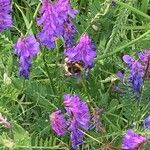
[58,123]
[52,20]
[26,48]
[84,52]
[132,140]
[5,17]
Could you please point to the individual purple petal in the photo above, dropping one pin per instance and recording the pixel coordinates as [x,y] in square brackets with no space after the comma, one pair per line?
[144,56]
[26,48]
[58,123]
[120,75]
[132,140]
[84,51]
[145,60]
[128,60]
[5,17]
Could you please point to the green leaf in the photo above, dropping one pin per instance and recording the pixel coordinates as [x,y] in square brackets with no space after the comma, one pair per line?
[27,23]
[21,137]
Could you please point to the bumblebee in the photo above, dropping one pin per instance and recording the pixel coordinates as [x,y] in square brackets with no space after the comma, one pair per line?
[73,68]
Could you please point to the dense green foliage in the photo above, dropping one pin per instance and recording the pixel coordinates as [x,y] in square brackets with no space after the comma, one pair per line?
[116,29]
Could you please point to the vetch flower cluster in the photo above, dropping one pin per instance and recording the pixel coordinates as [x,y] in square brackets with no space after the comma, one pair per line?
[58,122]
[138,70]
[5,17]
[56,22]
[132,140]
[79,119]
[136,73]
[26,48]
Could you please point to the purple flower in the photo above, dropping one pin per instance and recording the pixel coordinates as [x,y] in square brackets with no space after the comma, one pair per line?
[120,75]
[145,59]
[79,112]
[138,69]
[78,119]
[136,73]
[53,19]
[49,22]
[26,48]
[84,52]
[72,104]
[128,60]
[65,9]
[5,17]
[147,123]
[69,32]
[144,56]
[76,134]
[132,140]
[58,123]
[24,67]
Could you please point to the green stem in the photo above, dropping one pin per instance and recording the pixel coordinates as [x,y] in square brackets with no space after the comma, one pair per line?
[135,27]
[119,49]
[18,30]
[90,101]
[34,16]
[48,73]
[133,9]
